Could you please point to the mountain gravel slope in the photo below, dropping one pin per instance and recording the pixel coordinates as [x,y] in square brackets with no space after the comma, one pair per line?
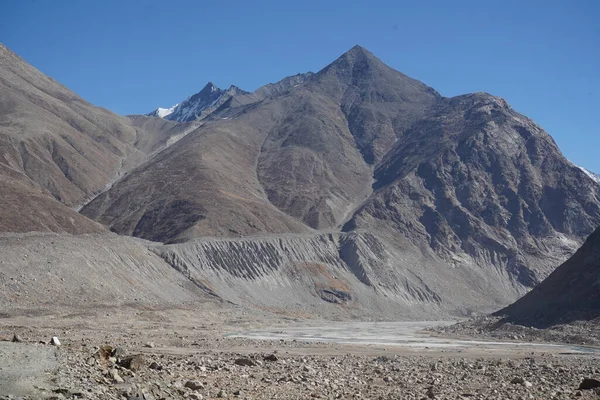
[41,272]
[27,209]
[202,185]
[357,274]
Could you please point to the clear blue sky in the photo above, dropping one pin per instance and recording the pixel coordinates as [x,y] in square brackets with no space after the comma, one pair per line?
[132,56]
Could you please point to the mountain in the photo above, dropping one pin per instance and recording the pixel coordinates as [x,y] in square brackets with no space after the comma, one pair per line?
[477,181]
[198,106]
[570,293]
[211,99]
[591,174]
[297,157]
[357,187]
[59,151]
[464,182]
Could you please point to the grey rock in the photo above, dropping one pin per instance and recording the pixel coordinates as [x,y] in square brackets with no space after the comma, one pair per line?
[114,374]
[244,361]
[194,385]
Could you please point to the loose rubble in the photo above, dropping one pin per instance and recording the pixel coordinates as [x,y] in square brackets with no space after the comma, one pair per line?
[120,372]
[193,358]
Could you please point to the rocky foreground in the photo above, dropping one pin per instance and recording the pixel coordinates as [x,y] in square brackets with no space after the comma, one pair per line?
[203,368]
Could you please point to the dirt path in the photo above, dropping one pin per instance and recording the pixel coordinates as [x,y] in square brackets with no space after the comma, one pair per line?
[26,369]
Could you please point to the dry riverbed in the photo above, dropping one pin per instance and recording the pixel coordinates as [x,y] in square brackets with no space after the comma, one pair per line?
[174,354]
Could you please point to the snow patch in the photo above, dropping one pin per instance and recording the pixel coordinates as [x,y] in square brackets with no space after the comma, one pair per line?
[163,112]
[592,175]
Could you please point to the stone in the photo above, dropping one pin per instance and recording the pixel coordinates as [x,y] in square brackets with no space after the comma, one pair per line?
[194,385]
[244,361]
[221,394]
[309,370]
[271,357]
[118,353]
[589,384]
[133,362]
[149,345]
[17,339]
[156,366]
[54,341]
[431,392]
[114,374]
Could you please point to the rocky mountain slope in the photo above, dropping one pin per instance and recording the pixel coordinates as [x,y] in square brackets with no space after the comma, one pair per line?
[570,293]
[58,151]
[476,180]
[365,147]
[592,175]
[356,188]
[293,152]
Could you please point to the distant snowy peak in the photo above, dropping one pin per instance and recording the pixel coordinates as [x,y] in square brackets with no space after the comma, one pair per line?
[163,112]
[210,98]
[592,175]
[199,105]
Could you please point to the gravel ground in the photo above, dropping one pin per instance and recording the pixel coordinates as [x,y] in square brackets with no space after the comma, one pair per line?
[178,356]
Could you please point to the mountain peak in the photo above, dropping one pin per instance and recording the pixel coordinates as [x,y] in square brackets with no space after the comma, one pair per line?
[209,87]
[358,49]
[357,54]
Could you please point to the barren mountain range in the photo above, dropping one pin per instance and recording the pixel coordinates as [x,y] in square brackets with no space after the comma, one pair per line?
[352,190]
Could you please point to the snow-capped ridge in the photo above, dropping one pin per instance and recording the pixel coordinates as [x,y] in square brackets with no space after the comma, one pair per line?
[163,112]
[591,174]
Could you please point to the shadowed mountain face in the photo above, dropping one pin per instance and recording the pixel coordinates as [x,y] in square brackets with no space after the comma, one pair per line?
[570,293]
